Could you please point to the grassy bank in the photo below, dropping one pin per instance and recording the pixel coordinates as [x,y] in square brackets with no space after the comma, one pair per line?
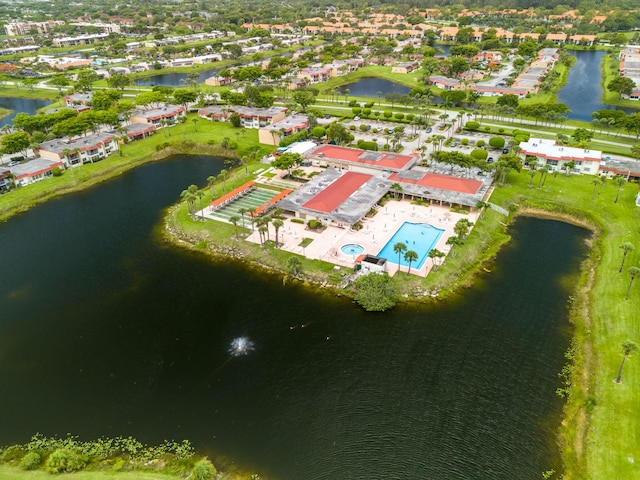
[599,432]
[15,473]
[609,68]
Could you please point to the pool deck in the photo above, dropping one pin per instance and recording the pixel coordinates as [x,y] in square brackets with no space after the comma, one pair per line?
[375,233]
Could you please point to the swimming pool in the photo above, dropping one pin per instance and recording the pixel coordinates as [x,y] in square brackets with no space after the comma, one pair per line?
[419,237]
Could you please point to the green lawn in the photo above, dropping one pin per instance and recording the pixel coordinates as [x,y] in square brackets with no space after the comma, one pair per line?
[14,473]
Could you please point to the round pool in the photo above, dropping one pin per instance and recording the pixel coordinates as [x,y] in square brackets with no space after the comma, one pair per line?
[352,249]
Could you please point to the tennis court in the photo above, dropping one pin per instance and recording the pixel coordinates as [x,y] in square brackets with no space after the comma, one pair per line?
[253,199]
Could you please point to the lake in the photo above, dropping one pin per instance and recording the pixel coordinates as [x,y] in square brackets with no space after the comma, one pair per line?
[369,87]
[583,91]
[107,330]
[17,105]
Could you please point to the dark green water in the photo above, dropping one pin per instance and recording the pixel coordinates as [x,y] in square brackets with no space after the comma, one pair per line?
[104,331]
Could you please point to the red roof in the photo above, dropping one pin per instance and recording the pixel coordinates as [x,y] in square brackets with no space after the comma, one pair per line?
[356,155]
[232,194]
[443,182]
[336,193]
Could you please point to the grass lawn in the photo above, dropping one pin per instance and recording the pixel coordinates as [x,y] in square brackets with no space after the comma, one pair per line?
[14,473]
[609,69]
[601,429]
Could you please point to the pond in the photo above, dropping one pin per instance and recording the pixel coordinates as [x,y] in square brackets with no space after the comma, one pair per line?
[106,330]
[17,105]
[374,87]
[583,91]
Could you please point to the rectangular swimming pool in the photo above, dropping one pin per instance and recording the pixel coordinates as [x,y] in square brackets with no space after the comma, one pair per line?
[419,237]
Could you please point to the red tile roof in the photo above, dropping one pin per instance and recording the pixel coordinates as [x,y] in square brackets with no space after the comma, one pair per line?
[336,193]
[355,155]
[443,182]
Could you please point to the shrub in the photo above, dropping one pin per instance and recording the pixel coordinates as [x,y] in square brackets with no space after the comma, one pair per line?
[14,452]
[56,171]
[410,117]
[496,142]
[364,127]
[312,224]
[366,112]
[297,220]
[318,132]
[387,114]
[203,470]
[356,110]
[479,154]
[399,116]
[520,138]
[352,127]
[354,103]
[364,145]
[487,129]
[31,461]
[472,126]
[501,130]
[64,460]
[480,143]
[464,141]
[368,105]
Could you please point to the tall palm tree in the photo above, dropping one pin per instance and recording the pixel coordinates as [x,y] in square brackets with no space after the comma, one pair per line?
[200,194]
[634,272]
[619,181]
[223,175]
[277,224]
[628,347]
[595,183]
[252,213]
[235,219]
[399,248]
[410,257]
[262,230]
[242,211]
[195,124]
[626,248]
[211,180]
[265,220]
[453,240]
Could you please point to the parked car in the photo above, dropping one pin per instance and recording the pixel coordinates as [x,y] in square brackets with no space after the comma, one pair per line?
[505,150]
[14,163]
[490,160]
[429,130]
[326,115]
[356,118]
[454,144]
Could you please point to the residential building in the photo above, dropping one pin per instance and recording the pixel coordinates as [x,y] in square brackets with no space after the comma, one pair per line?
[6,180]
[272,134]
[34,171]
[547,152]
[79,40]
[78,151]
[159,117]
[138,131]
[17,29]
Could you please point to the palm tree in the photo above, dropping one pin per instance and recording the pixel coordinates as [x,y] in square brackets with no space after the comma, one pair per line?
[195,124]
[634,272]
[453,240]
[211,180]
[223,175]
[200,194]
[252,212]
[532,171]
[432,255]
[242,211]
[481,205]
[235,219]
[264,220]
[277,224]
[396,188]
[626,248]
[619,181]
[262,230]
[399,248]
[295,265]
[410,257]
[628,347]
[595,183]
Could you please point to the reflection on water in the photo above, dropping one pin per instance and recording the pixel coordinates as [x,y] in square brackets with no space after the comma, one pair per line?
[17,105]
